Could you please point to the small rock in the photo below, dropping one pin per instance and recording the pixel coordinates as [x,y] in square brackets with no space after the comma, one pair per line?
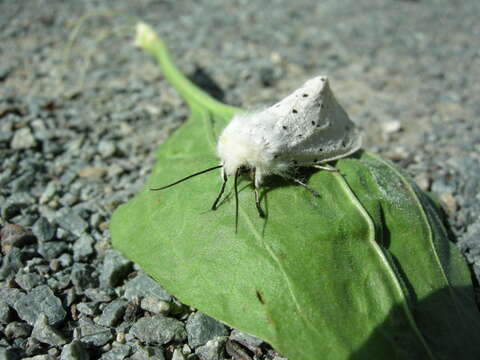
[10,295]
[40,300]
[94,335]
[12,263]
[213,349]
[41,357]
[18,329]
[118,352]
[14,235]
[5,313]
[15,203]
[87,308]
[49,193]
[74,351]
[82,277]
[390,127]
[71,221]
[45,333]
[52,249]
[113,313]
[148,353]
[96,294]
[28,281]
[144,286]
[83,248]
[250,342]
[423,181]
[158,329]
[115,268]
[178,355]
[8,354]
[155,306]
[65,260]
[92,172]
[449,203]
[202,328]
[23,139]
[43,229]
[106,148]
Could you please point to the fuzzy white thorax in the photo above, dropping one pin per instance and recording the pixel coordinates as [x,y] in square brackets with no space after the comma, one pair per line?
[306,128]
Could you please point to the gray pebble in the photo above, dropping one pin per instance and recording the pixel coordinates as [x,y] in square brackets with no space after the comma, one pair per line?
[113,313]
[158,329]
[82,277]
[106,148]
[155,305]
[27,281]
[41,357]
[18,329]
[43,229]
[115,268]
[10,295]
[99,295]
[144,286]
[65,260]
[118,352]
[45,333]
[178,355]
[69,220]
[52,249]
[94,335]
[14,235]
[40,300]
[8,354]
[148,353]
[250,342]
[213,349]
[202,328]
[23,139]
[49,193]
[74,351]
[83,248]
[12,263]
[15,203]
[5,313]
[87,308]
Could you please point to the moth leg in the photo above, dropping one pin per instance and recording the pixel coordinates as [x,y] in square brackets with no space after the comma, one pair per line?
[325,167]
[257,197]
[301,183]
[222,190]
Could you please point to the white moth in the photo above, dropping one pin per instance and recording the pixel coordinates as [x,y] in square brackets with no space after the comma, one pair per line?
[306,129]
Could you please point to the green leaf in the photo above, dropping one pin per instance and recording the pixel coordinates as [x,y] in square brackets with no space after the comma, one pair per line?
[365,271]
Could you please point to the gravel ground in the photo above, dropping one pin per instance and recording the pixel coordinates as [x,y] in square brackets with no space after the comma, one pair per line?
[79,125]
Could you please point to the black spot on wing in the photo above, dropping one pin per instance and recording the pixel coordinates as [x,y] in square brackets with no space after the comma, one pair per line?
[294,111]
[284,127]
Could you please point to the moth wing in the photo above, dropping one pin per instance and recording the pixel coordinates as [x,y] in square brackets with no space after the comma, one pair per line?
[311,127]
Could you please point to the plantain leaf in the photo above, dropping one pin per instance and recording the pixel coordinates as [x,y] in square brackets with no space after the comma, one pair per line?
[364,271]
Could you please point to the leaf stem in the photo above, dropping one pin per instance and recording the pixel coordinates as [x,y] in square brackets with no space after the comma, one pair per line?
[147,39]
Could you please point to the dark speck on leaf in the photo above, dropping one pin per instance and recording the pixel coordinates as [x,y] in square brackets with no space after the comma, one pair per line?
[259,297]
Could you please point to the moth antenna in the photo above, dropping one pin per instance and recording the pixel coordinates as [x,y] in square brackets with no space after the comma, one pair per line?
[222,189]
[237,172]
[187,177]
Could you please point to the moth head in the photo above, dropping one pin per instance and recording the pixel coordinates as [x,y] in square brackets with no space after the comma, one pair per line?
[236,152]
